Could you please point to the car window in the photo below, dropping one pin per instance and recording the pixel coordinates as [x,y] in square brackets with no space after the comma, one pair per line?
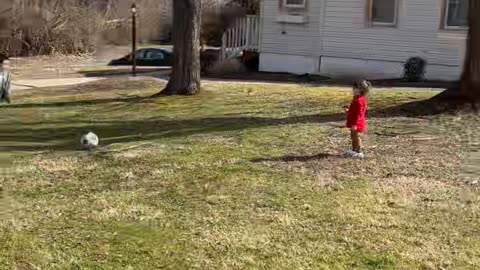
[140,54]
[154,55]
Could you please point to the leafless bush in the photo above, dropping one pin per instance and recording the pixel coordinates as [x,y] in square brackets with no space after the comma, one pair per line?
[155,19]
[40,27]
[55,26]
[217,17]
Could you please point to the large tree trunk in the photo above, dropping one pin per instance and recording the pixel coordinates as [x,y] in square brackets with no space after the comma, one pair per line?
[470,80]
[185,77]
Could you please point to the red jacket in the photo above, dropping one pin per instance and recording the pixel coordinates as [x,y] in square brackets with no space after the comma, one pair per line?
[357,113]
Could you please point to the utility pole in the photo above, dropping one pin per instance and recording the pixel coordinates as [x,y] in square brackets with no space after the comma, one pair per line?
[133,9]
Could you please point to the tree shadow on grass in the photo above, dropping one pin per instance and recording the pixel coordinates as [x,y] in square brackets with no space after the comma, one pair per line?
[131,99]
[23,138]
[15,137]
[290,158]
[322,81]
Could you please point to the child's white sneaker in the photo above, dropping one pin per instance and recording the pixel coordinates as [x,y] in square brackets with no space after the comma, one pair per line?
[358,156]
[349,154]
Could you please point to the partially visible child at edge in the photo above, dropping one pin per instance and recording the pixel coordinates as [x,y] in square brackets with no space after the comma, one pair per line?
[356,117]
[5,79]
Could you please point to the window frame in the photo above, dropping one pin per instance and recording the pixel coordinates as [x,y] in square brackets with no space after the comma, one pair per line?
[140,54]
[285,4]
[445,19]
[395,19]
[154,53]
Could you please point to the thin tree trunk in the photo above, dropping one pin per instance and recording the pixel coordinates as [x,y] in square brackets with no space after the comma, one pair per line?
[470,80]
[185,77]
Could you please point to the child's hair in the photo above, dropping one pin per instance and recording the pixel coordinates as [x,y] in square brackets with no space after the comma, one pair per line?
[364,87]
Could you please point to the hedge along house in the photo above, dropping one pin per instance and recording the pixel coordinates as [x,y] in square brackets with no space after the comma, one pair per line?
[363,38]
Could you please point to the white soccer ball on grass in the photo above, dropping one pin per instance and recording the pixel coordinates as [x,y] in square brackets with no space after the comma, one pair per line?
[89,140]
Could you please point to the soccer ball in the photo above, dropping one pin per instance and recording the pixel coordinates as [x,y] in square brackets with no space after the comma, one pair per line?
[89,140]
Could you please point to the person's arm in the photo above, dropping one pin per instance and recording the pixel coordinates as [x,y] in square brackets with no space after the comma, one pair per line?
[8,81]
[3,80]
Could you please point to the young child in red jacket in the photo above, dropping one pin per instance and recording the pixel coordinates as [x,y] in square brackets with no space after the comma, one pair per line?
[356,117]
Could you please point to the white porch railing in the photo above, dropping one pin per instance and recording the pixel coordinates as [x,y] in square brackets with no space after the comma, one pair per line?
[243,35]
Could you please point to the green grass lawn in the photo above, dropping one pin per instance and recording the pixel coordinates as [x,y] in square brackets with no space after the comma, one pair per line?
[238,177]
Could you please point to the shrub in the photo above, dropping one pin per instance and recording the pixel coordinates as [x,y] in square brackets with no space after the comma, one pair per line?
[228,66]
[49,27]
[414,69]
[43,27]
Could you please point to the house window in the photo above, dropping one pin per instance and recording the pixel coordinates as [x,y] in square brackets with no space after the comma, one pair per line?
[292,11]
[383,12]
[456,15]
[294,3]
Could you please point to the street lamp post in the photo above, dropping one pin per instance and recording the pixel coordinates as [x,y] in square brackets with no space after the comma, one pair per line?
[133,9]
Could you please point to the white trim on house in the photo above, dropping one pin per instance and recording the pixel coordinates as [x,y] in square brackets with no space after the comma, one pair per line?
[360,68]
[295,64]
[338,67]
[377,69]
[289,18]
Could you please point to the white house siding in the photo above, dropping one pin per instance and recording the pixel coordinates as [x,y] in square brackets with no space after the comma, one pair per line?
[346,35]
[349,47]
[289,47]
